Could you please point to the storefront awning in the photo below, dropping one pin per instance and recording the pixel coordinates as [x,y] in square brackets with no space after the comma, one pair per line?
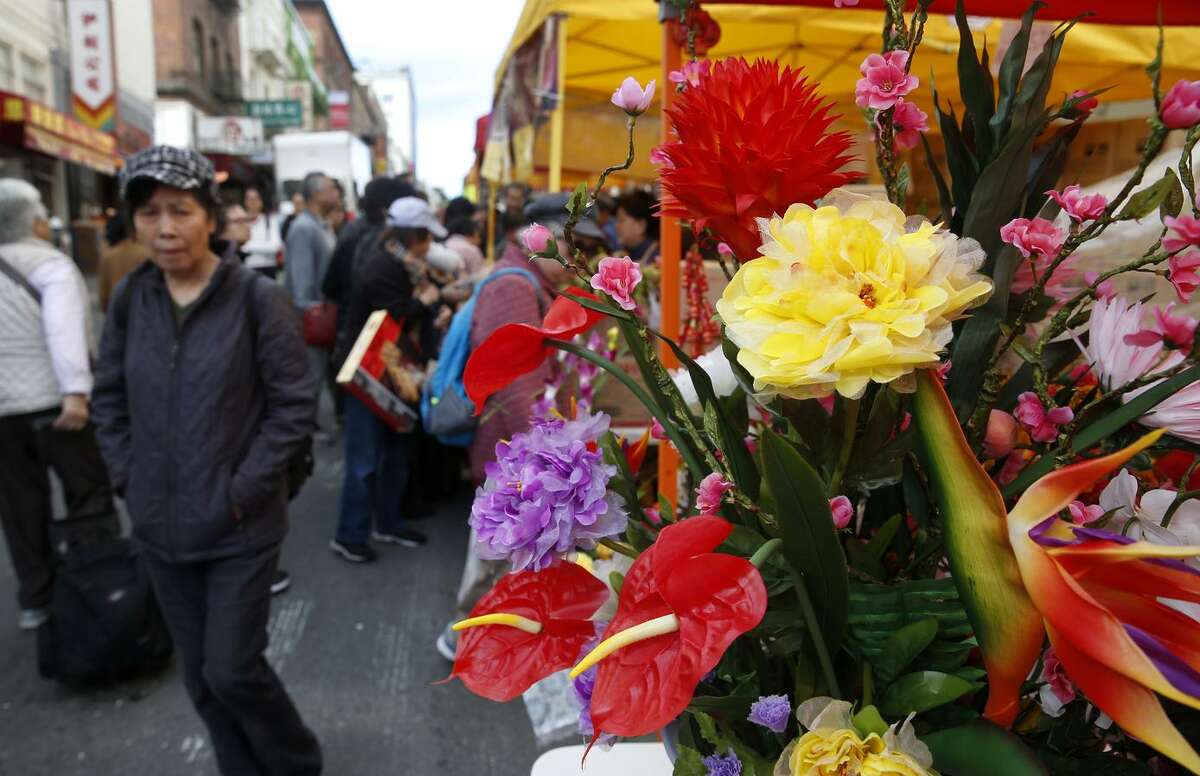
[28,124]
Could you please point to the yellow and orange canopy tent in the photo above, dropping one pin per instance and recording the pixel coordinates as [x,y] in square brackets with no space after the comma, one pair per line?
[602,41]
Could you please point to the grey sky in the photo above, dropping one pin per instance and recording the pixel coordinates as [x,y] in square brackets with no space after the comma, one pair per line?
[453,48]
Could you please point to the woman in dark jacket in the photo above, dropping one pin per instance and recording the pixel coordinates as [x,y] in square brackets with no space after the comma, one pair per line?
[202,397]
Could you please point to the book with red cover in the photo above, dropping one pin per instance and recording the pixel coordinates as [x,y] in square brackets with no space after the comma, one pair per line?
[364,374]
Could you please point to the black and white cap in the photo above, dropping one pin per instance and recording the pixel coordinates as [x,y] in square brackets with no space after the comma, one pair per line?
[183,168]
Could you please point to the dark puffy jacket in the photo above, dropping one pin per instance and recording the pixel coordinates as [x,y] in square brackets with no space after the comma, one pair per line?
[195,424]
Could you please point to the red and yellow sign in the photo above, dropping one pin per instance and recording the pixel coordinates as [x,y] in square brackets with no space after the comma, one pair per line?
[39,128]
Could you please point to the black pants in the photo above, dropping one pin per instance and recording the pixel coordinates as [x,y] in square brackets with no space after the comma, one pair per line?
[217,613]
[29,448]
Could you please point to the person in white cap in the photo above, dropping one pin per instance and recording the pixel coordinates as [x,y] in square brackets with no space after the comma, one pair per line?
[394,278]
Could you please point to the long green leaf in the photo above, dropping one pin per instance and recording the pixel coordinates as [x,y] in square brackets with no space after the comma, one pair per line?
[980,748]
[902,648]
[1011,68]
[1107,426]
[975,85]
[944,199]
[810,542]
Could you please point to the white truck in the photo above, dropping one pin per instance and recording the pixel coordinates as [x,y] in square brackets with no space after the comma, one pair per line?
[338,154]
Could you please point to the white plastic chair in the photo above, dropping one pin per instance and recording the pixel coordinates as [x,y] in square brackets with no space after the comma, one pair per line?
[624,759]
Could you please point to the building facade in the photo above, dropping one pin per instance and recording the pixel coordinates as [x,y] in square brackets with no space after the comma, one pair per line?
[279,67]
[397,98]
[197,64]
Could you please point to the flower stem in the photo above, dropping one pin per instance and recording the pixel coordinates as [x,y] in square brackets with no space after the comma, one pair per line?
[640,392]
[868,688]
[1181,497]
[849,426]
[763,553]
[817,635]
[619,547]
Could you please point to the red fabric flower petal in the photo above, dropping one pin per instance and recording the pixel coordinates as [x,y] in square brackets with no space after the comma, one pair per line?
[516,349]
[716,597]
[499,662]
[752,139]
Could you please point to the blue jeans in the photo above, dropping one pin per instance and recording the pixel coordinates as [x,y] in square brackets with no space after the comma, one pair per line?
[376,475]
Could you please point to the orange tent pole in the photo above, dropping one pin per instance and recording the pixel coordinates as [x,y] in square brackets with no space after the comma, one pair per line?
[670,244]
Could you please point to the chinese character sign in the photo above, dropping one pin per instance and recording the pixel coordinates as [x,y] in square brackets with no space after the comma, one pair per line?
[277,113]
[93,84]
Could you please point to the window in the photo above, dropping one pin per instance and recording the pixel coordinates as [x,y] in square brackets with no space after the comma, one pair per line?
[6,66]
[33,78]
[198,46]
[215,61]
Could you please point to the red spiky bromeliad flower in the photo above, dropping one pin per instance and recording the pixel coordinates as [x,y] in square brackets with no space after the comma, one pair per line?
[752,139]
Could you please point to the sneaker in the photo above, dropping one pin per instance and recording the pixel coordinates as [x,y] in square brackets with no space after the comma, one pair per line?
[447,644]
[282,581]
[32,619]
[405,538]
[355,553]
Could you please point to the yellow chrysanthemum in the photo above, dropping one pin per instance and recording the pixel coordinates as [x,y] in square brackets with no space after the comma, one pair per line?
[848,293]
[832,753]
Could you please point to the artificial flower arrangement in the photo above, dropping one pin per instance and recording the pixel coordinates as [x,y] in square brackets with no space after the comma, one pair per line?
[916,543]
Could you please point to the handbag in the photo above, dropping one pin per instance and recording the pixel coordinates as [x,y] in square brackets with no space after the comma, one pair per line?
[320,325]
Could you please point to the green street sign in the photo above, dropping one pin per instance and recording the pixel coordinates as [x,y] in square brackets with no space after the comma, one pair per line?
[276,113]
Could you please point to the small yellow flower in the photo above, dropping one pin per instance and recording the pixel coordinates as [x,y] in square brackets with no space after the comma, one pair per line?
[847,294]
[833,747]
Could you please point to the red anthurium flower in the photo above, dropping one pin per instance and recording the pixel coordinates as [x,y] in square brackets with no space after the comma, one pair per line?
[681,607]
[528,626]
[516,349]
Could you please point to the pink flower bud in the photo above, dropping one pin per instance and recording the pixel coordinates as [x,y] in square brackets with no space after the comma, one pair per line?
[632,98]
[536,238]
[1181,105]
[1182,271]
[1042,425]
[1085,106]
[1084,513]
[1001,434]
[618,277]
[843,511]
[1033,235]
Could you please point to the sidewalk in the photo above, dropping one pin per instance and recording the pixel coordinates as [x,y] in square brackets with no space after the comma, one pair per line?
[354,645]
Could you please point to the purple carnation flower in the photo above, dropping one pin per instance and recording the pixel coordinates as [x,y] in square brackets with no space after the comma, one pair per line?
[772,712]
[546,494]
[723,765]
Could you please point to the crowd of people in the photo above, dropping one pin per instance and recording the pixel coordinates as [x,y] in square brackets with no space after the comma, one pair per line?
[200,404]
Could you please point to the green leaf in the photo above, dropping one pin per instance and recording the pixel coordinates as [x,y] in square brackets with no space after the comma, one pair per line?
[975,85]
[867,557]
[1011,68]
[624,483]
[1173,203]
[922,691]
[616,579]
[869,721]
[964,169]
[690,763]
[944,199]
[1107,426]
[1049,161]
[1151,198]
[604,308]
[727,706]
[1185,162]
[753,763]
[980,748]
[902,648]
[810,542]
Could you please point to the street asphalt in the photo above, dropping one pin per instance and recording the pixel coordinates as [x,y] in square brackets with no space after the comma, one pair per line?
[353,644]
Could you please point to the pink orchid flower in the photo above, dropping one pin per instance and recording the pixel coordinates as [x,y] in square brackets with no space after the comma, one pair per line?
[1175,330]
[1079,206]
[843,511]
[632,98]
[1182,271]
[618,277]
[1058,689]
[884,80]
[1033,235]
[1084,513]
[711,493]
[1181,105]
[1042,425]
